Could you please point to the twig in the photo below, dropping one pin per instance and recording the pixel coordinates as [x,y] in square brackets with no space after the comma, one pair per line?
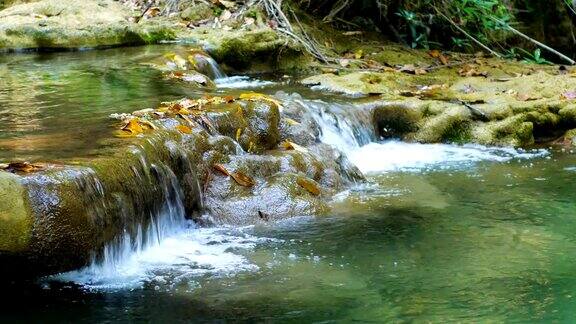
[145,11]
[339,6]
[542,45]
[468,35]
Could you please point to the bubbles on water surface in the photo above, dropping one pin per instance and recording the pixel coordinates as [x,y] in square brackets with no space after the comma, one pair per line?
[180,259]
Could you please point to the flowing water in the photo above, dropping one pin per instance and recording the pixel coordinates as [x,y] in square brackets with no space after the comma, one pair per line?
[439,233]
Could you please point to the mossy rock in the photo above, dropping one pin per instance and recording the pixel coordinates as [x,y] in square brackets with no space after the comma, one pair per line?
[254,124]
[197,12]
[396,120]
[68,24]
[15,217]
[240,49]
[513,131]
[453,125]
[570,137]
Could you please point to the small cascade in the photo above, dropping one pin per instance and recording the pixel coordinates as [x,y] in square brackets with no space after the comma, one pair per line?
[350,128]
[209,66]
[168,221]
[343,125]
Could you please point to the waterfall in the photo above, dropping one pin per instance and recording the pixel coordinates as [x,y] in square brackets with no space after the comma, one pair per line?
[350,128]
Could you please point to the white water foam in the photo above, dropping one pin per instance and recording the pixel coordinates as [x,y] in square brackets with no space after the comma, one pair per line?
[240,82]
[400,156]
[181,258]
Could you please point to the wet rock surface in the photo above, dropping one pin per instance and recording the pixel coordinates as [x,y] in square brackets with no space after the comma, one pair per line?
[216,160]
[493,109]
[65,24]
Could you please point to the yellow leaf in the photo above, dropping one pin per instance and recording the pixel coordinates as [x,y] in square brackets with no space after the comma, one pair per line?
[287,145]
[238,134]
[253,96]
[184,129]
[146,124]
[310,185]
[242,179]
[133,127]
[184,111]
[291,122]
[359,54]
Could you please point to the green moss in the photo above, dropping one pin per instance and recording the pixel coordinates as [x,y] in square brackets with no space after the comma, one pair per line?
[241,50]
[15,218]
[568,114]
[451,125]
[197,12]
[514,131]
[396,120]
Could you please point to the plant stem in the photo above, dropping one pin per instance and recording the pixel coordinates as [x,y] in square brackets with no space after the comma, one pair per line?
[468,35]
[542,45]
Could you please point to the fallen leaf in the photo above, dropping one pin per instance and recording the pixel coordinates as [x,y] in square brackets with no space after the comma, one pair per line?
[184,129]
[177,60]
[238,134]
[291,122]
[24,167]
[434,53]
[412,69]
[253,96]
[133,127]
[221,168]
[358,54]
[310,185]
[242,179]
[287,145]
[470,70]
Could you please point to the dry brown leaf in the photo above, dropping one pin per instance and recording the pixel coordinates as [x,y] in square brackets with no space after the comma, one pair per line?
[242,179]
[470,70]
[412,69]
[23,167]
[310,185]
[221,168]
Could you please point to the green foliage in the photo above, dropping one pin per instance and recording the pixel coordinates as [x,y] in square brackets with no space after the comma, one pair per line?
[426,19]
[534,57]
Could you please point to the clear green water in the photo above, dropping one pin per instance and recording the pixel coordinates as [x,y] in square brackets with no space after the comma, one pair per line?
[485,242]
[488,243]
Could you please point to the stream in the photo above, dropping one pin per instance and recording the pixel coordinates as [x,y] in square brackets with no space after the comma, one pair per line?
[438,233]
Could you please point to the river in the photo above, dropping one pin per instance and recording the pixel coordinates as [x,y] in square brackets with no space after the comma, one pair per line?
[438,233]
